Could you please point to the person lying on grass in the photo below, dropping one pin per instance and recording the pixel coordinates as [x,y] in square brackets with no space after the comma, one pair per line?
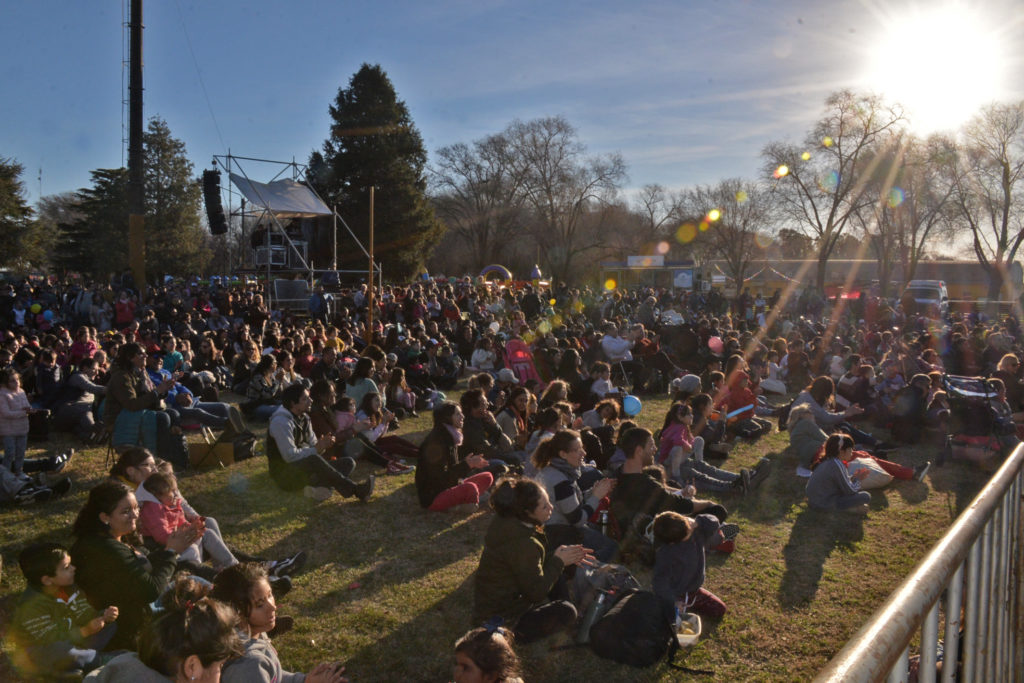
[516,574]
[246,589]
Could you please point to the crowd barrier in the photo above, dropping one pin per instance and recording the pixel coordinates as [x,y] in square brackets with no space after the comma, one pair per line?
[972,577]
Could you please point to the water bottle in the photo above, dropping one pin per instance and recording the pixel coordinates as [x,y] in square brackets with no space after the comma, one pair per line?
[603,521]
[594,612]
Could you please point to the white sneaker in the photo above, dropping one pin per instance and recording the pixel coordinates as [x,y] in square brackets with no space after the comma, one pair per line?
[318,493]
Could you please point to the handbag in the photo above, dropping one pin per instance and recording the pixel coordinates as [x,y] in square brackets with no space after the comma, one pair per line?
[877,477]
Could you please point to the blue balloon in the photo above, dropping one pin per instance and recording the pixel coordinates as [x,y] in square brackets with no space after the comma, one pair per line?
[48,314]
[631,405]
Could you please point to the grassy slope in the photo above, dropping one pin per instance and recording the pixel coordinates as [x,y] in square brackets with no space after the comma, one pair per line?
[389,587]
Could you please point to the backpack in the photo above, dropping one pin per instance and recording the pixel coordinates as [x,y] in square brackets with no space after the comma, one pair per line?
[638,630]
[589,581]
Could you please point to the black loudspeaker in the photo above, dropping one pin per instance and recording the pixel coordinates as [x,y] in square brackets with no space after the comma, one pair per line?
[211,196]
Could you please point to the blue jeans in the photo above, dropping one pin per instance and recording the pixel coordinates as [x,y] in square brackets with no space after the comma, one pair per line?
[264,412]
[14,452]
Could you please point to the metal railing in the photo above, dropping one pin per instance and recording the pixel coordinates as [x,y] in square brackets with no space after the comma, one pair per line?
[973,576]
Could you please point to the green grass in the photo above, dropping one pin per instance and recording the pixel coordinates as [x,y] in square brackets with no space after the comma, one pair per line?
[388,587]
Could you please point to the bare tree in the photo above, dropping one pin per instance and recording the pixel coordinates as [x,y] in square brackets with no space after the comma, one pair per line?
[733,215]
[986,173]
[822,184]
[560,184]
[477,193]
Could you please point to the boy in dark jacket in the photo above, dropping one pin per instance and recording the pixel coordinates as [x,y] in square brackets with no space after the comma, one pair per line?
[679,562]
[54,627]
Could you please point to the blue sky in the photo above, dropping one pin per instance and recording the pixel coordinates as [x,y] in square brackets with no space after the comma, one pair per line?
[687,91]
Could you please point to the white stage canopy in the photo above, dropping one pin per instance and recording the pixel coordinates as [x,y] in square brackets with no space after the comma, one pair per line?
[285,198]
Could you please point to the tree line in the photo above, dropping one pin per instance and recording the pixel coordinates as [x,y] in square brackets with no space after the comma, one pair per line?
[860,184]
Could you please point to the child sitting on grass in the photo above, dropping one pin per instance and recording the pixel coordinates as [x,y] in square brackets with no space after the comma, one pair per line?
[54,629]
[679,562]
[163,513]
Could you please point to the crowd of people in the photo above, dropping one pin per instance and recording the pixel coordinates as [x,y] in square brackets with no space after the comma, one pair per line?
[549,444]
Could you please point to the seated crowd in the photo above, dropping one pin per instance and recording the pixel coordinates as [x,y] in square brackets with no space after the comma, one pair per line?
[151,585]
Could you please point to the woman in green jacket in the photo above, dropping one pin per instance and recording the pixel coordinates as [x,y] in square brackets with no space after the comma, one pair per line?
[516,574]
[112,569]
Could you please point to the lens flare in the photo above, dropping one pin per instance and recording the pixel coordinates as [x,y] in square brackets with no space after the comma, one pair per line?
[663,247]
[543,327]
[781,172]
[610,284]
[762,240]
[686,233]
[829,181]
[741,197]
[552,302]
[714,215]
[827,141]
[806,156]
[704,225]
[556,320]
[896,197]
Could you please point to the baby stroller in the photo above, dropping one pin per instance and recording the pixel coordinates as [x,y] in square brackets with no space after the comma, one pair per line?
[973,424]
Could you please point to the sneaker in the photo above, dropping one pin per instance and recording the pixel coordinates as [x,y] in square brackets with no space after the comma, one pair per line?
[761,472]
[922,470]
[318,493]
[742,485]
[289,565]
[236,420]
[62,487]
[32,494]
[861,509]
[279,586]
[365,490]
[729,531]
[398,468]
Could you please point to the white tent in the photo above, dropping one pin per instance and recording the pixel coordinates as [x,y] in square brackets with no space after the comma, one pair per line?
[284,198]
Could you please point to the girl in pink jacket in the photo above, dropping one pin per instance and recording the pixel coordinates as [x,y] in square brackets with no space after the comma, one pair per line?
[14,412]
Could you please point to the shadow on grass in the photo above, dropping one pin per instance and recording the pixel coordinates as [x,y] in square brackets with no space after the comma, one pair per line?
[419,649]
[814,536]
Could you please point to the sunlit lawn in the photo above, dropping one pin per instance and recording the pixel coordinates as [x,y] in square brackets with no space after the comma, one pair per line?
[388,587]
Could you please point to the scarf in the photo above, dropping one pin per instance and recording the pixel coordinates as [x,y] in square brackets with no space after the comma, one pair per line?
[455,434]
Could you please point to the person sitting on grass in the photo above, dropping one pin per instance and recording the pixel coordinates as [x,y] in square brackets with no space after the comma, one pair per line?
[294,454]
[831,487]
[136,465]
[162,513]
[485,655]
[517,573]
[679,561]
[245,588]
[641,488]
[559,461]
[189,642]
[54,629]
[443,480]
[114,568]
[682,455]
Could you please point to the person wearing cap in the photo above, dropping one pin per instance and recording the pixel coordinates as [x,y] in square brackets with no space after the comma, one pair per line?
[505,382]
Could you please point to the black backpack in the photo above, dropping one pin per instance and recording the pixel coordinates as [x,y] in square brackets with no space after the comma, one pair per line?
[638,630]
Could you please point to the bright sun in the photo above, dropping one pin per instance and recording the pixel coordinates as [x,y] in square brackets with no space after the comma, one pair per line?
[942,63]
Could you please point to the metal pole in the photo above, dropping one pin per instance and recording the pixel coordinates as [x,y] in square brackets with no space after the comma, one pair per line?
[954,604]
[136,176]
[334,231]
[369,290]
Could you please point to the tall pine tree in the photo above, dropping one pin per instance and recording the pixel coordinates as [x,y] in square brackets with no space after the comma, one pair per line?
[373,142]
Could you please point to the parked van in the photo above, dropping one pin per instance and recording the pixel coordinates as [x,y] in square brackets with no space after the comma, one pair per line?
[931,297]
